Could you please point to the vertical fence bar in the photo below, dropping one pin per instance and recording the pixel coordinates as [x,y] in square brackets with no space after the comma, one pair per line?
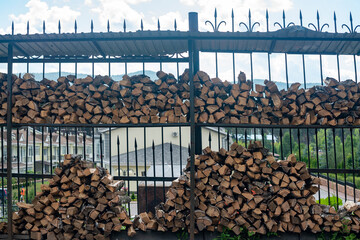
[128,163]
[327,165]
[118,155]
[344,160]
[101,151]
[42,154]
[67,140]
[353,161]
[110,162]
[51,147]
[84,143]
[59,146]
[317,156]
[281,144]
[154,171]
[9,133]
[18,160]
[233,53]
[193,66]
[137,173]
[26,162]
[163,159]
[145,173]
[93,144]
[335,163]
[180,144]
[2,170]
[268,54]
[76,141]
[34,157]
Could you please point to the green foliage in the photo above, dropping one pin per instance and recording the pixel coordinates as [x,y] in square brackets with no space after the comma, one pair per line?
[133,197]
[182,235]
[338,236]
[227,234]
[333,201]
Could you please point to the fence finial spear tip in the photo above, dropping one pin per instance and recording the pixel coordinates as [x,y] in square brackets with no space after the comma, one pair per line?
[317,15]
[249,13]
[124,25]
[350,16]
[232,13]
[12,27]
[283,13]
[267,13]
[171,146]
[141,25]
[158,23]
[108,25]
[135,143]
[300,14]
[118,140]
[175,25]
[27,27]
[215,14]
[334,16]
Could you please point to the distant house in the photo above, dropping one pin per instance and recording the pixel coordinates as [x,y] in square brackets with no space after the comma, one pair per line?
[31,147]
[123,144]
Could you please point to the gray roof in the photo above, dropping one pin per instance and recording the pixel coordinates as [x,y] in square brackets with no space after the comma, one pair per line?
[293,39]
[159,160]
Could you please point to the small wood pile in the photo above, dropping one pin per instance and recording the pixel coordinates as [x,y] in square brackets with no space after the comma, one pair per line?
[80,202]
[248,188]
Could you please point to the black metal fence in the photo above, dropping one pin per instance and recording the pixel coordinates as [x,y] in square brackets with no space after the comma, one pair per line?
[149,156]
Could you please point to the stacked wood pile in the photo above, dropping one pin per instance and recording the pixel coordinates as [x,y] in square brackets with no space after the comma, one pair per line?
[337,103]
[247,188]
[138,99]
[80,202]
[134,99]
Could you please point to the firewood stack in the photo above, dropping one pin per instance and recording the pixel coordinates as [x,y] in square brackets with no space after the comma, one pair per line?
[337,103]
[100,100]
[247,188]
[80,202]
[138,99]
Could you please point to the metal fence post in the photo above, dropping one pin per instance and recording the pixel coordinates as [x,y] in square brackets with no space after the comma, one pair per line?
[194,27]
[9,140]
[193,67]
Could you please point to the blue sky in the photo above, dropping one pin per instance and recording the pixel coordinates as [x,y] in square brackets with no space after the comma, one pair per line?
[20,11]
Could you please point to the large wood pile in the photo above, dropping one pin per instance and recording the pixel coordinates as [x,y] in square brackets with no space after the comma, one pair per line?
[248,188]
[134,99]
[335,103]
[138,99]
[80,202]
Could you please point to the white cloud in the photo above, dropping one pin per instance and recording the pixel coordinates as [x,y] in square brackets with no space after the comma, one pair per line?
[116,11]
[37,12]
[88,2]
[188,2]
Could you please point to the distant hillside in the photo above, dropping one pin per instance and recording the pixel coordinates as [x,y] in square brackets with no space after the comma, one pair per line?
[152,75]
[55,75]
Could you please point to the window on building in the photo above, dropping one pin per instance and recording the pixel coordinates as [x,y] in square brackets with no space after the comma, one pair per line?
[63,149]
[37,150]
[31,151]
